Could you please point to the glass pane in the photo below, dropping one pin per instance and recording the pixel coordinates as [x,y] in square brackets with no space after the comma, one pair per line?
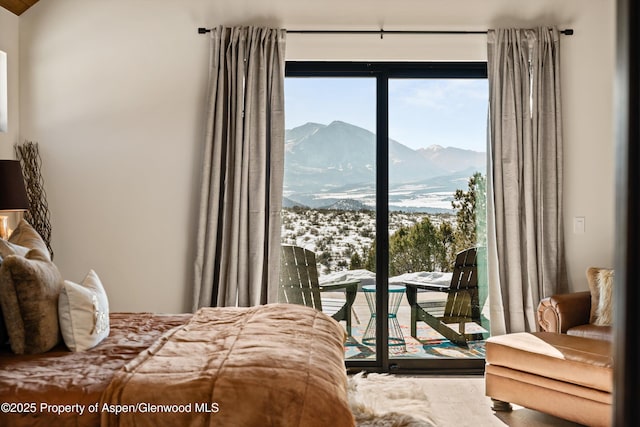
[329,199]
[437,169]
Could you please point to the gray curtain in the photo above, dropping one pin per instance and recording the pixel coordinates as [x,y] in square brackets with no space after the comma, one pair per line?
[238,241]
[525,144]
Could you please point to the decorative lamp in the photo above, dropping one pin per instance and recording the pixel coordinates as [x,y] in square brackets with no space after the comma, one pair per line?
[13,194]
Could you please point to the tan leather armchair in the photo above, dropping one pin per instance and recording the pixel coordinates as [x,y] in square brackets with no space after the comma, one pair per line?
[565,369]
[569,314]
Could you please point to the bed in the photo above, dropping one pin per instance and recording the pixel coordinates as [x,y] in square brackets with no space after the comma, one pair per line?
[66,360]
[272,365]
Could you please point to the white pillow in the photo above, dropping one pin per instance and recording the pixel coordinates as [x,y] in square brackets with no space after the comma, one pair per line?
[84,313]
[8,248]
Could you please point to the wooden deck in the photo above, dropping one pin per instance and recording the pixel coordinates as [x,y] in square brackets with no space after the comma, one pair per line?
[361,314]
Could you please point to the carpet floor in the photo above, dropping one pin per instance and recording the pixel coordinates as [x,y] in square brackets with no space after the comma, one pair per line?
[384,400]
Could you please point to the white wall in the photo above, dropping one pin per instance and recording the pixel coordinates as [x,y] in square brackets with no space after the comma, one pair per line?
[114,92]
[9,45]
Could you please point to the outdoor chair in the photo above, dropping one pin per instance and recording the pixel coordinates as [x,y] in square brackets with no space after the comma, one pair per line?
[299,285]
[459,318]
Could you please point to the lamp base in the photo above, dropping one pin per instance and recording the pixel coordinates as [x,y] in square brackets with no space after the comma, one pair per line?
[5,232]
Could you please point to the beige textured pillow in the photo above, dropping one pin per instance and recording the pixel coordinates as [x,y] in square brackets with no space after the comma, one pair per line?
[29,290]
[22,239]
[6,249]
[601,287]
[25,235]
[604,311]
[83,310]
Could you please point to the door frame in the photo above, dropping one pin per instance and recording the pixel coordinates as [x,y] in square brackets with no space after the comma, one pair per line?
[382,72]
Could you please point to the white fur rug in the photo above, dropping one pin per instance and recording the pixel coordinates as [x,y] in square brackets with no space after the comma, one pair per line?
[382,400]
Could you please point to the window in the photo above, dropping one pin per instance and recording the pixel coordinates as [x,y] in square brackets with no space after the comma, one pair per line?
[385,167]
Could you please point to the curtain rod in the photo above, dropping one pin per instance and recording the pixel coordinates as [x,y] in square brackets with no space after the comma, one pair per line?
[202,30]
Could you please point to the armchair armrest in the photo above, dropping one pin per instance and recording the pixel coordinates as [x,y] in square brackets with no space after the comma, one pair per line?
[348,285]
[561,312]
[344,309]
[437,287]
[350,289]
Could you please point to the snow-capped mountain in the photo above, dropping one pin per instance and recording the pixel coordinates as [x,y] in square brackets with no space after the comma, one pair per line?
[328,163]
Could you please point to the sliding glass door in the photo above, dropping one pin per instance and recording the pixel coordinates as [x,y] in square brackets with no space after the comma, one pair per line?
[384,182]
[437,237]
[329,204]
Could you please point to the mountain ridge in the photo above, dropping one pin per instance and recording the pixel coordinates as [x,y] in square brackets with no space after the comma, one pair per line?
[337,161]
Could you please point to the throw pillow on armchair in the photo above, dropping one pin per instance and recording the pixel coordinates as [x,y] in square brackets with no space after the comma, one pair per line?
[585,313]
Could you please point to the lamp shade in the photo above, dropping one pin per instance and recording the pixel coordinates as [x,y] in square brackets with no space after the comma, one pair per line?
[13,194]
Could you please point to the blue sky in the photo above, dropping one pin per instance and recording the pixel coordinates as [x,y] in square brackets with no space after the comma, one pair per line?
[422,112]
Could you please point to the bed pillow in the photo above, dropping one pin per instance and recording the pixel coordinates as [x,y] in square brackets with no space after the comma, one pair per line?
[25,235]
[601,289]
[29,290]
[7,248]
[84,313]
[22,239]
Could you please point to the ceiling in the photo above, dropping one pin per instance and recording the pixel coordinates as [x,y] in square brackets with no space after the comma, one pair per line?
[17,6]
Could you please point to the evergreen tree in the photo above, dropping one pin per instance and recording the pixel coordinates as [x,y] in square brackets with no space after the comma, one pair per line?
[425,247]
[356,262]
[471,215]
[415,248]
[447,253]
[370,260]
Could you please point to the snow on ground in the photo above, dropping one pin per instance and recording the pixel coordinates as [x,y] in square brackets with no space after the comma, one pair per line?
[335,235]
[367,277]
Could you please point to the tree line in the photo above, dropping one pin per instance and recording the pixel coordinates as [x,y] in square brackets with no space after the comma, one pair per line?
[427,247]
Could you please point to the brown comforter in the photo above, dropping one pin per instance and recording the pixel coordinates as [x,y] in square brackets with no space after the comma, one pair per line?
[60,377]
[272,365]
